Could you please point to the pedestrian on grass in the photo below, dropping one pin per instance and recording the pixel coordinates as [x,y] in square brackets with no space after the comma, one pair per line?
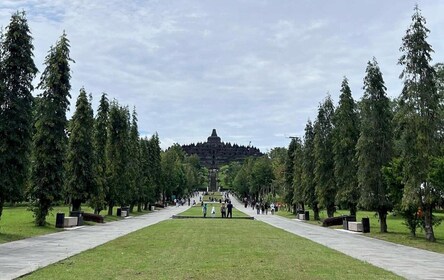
[204,210]
[229,210]
[213,212]
[223,210]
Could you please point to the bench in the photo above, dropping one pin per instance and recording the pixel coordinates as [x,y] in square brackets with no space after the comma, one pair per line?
[93,217]
[355,226]
[70,222]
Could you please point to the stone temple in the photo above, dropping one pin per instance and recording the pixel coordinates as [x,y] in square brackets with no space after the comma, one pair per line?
[214,153]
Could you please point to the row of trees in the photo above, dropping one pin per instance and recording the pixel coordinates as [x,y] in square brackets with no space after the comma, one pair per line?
[376,154]
[46,159]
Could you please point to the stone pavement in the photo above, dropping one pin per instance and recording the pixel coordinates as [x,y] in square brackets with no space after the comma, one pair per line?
[21,257]
[407,262]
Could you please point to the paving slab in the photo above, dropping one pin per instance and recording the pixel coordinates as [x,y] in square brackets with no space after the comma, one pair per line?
[405,261]
[24,256]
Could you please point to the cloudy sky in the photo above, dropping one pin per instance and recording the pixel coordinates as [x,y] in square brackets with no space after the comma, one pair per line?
[255,70]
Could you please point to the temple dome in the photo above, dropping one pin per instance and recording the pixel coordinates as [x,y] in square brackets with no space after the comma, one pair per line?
[214,139]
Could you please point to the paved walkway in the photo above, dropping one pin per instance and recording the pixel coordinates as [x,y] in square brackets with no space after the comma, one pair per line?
[21,257]
[405,261]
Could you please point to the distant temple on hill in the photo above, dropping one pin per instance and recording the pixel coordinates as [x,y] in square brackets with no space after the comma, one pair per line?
[214,153]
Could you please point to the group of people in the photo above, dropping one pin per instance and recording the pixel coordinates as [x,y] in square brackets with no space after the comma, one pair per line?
[225,210]
[264,207]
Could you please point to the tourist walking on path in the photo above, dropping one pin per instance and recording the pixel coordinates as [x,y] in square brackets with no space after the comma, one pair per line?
[230,210]
[223,210]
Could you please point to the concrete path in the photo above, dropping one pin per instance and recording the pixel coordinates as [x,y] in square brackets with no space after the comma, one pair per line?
[21,257]
[407,262]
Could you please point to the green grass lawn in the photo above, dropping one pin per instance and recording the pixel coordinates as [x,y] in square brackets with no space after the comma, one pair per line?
[398,232]
[211,249]
[18,223]
[215,195]
[197,211]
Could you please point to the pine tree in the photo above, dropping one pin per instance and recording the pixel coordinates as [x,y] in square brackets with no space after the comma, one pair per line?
[155,172]
[345,137]
[134,172]
[308,166]
[117,157]
[49,141]
[17,70]
[298,194]
[374,147]
[97,200]
[324,158]
[419,119]
[289,176]
[80,178]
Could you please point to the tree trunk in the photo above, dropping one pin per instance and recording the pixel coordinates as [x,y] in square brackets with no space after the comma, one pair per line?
[2,203]
[382,220]
[294,209]
[110,209]
[353,210]
[316,213]
[76,204]
[330,211]
[139,207]
[428,223]
[131,208]
[145,206]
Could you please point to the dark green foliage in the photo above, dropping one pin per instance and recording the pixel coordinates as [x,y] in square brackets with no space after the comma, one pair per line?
[17,70]
[374,147]
[155,166]
[346,133]
[97,200]
[308,166]
[261,176]
[298,193]
[288,191]
[134,171]
[420,120]
[324,158]
[118,182]
[49,141]
[80,178]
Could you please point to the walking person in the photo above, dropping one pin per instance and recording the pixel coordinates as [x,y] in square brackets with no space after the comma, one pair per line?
[213,212]
[229,210]
[223,210]
[204,210]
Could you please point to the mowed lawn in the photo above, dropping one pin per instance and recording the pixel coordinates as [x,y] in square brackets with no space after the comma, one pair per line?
[18,223]
[211,249]
[197,211]
[397,231]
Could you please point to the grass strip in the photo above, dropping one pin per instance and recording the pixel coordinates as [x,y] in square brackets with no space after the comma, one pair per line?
[211,249]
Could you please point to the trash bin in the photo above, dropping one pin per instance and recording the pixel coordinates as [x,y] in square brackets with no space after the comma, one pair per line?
[60,217]
[365,225]
[119,212]
[126,208]
[346,219]
[79,215]
[307,216]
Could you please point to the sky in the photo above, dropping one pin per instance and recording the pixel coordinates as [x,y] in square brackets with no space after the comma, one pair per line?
[254,70]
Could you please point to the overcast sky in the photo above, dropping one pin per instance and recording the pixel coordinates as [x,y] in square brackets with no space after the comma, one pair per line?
[254,70]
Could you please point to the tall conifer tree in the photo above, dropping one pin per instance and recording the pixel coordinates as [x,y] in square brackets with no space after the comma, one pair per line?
[308,165]
[49,141]
[80,178]
[419,118]
[324,158]
[97,200]
[346,133]
[374,147]
[17,70]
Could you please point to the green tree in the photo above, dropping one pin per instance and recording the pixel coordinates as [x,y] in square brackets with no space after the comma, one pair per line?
[288,191]
[155,167]
[261,176]
[134,172]
[324,158]
[298,192]
[345,137]
[419,119]
[80,179]
[49,141]
[278,157]
[117,157]
[374,147]
[17,70]
[97,200]
[308,166]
